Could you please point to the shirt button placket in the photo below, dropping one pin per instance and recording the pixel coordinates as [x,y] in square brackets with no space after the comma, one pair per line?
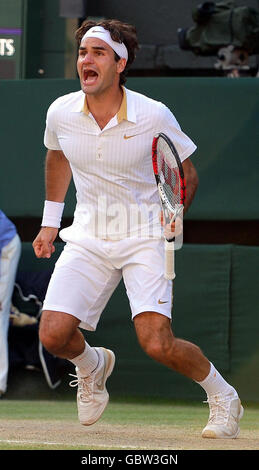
[99,148]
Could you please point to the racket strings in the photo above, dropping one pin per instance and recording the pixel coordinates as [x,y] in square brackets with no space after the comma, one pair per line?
[168,172]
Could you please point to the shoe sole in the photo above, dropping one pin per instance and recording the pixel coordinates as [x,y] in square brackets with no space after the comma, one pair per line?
[209,434]
[109,365]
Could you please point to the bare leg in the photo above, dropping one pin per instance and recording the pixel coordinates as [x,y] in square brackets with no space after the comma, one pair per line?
[158,341]
[60,335]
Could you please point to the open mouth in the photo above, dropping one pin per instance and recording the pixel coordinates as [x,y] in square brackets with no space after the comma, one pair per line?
[90,77]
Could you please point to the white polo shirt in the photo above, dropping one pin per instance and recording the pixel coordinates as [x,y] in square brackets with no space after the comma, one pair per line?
[116,190]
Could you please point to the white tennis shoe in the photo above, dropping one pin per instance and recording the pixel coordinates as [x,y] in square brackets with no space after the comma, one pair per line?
[225,414]
[92,395]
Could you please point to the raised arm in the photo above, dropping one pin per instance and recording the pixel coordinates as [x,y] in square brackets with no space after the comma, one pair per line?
[57,179]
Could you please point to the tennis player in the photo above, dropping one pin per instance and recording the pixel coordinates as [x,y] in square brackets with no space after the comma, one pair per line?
[102,136]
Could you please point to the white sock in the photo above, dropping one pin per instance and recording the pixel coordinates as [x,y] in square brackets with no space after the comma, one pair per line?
[214,383]
[87,361]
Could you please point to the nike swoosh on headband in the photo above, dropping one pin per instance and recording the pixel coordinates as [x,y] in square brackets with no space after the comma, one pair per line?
[104,35]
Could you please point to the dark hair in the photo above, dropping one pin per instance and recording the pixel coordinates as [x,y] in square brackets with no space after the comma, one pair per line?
[120,32]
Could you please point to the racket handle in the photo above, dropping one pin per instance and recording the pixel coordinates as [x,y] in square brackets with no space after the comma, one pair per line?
[169,260]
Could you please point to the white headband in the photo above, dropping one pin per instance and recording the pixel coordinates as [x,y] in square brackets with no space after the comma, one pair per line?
[104,34]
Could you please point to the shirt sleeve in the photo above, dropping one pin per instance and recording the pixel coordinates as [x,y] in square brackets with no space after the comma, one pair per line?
[50,135]
[169,126]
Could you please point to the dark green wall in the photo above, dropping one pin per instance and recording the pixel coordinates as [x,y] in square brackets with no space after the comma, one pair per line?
[53,41]
[216,289]
[219,114]
[215,306]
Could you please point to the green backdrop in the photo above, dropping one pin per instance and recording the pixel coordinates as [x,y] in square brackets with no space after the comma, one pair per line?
[219,114]
[215,306]
[216,289]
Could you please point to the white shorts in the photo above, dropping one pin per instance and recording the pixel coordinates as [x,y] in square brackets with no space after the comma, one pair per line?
[85,278]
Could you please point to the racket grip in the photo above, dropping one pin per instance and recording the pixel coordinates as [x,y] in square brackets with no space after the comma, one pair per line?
[169,260]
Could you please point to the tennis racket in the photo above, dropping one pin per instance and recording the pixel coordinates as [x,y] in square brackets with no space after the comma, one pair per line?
[170,180]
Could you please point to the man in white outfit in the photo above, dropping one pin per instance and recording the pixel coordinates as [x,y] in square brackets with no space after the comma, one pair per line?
[102,136]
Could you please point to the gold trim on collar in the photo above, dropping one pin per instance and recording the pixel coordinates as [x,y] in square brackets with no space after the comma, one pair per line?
[85,108]
[122,113]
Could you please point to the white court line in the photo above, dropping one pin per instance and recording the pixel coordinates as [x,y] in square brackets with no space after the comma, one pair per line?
[10,441]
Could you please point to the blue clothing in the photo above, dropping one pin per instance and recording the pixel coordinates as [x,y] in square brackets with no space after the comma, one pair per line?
[7,230]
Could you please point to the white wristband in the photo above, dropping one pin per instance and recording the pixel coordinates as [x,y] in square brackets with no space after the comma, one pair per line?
[52,214]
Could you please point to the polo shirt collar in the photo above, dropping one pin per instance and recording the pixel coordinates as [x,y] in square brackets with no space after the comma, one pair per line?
[126,112]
